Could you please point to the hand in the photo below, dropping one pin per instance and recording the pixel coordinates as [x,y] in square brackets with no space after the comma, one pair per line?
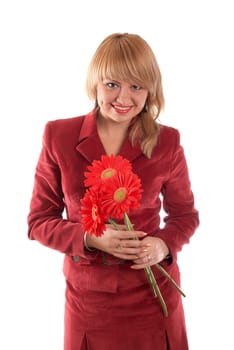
[120,243]
[157,251]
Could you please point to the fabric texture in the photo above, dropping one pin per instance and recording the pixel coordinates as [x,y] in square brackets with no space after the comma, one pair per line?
[108,305]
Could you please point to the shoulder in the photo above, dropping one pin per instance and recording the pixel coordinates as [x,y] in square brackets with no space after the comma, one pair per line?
[168,144]
[71,128]
[166,131]
[168,136]
[63,133]
[64,126]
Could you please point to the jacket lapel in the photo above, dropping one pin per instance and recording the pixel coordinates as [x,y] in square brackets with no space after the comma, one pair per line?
[90,145]
[129,152]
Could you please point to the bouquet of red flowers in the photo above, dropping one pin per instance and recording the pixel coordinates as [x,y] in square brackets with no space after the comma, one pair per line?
[113,189]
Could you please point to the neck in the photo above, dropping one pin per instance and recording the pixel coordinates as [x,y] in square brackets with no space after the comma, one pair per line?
[110,127]
[112,135]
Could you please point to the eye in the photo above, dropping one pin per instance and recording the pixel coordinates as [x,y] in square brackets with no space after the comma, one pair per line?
[111,84]
[136,87]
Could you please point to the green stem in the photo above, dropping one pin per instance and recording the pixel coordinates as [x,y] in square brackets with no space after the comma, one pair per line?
[112,222]
[128,222]
[149,273]
[166,274]
[155,289]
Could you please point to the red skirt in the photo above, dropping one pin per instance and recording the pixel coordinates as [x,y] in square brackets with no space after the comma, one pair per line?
[128,319]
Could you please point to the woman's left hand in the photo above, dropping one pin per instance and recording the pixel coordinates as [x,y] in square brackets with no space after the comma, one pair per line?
[157,251]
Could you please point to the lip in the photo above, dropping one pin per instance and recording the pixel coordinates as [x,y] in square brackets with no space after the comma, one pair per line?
[121,109]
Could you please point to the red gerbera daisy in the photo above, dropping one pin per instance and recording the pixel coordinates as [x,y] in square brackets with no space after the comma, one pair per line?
[92,217]
[120,194]
[104,169]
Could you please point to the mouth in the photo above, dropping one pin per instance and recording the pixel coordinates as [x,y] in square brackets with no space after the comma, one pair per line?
[121,109]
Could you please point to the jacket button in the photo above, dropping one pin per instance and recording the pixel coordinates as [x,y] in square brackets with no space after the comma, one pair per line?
[76,258]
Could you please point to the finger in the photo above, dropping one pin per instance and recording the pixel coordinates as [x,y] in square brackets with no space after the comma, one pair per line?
[130,249]
[134,235]
[137,252]
[126,253]
[125,256]
[120,227]
[147,260]
[134,243]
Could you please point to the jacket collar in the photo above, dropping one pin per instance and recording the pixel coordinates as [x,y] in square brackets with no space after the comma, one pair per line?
[90,145]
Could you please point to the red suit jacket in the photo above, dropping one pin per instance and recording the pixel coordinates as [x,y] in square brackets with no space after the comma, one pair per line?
[69,146]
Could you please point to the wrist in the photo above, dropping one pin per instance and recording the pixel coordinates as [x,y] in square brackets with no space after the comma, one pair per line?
[86,244]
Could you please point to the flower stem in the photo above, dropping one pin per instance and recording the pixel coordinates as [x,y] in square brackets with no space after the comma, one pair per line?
[128,222]
[155,289]
[166,274]
[112,222]
[149,273]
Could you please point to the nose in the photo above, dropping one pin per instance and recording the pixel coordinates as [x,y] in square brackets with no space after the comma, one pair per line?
[124,96]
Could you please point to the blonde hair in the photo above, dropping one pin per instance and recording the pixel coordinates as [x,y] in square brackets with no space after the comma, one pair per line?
[128,57]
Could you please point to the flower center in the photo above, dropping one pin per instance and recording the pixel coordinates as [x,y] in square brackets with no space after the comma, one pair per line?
[107,173]
[94,212]
[120,194]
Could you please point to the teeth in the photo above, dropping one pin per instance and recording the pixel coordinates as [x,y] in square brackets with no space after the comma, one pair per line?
[122,108]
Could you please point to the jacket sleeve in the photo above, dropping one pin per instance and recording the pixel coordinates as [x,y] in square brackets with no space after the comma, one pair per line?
[46,220]
[181,217]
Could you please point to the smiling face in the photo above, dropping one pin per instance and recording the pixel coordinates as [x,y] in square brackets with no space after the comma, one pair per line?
[120,101]
[122,74]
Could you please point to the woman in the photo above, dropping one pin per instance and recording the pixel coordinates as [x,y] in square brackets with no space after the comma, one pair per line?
[109,304]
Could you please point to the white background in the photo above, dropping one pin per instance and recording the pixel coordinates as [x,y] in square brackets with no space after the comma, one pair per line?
[46,46]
